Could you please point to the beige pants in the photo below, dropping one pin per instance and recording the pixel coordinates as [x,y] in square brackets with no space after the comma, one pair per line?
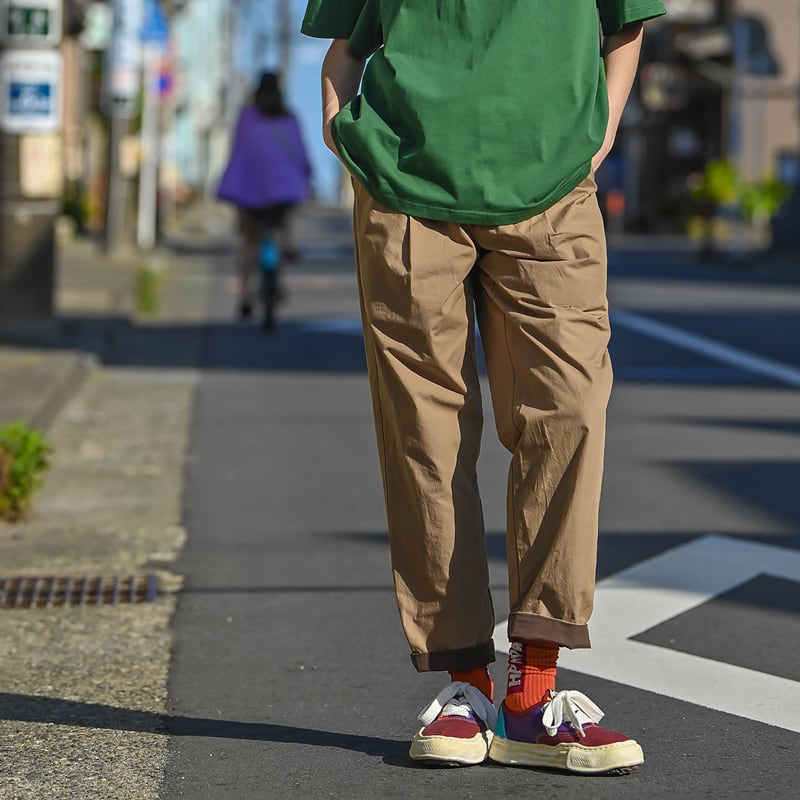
[539,291]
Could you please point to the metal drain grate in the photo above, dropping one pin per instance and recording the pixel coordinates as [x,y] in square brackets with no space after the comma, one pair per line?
[95,590]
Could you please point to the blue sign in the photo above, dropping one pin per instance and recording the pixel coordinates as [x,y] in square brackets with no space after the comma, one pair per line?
[30,99]
[154,28]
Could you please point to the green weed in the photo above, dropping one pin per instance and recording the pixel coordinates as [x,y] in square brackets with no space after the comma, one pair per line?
[148,291]
[24,456]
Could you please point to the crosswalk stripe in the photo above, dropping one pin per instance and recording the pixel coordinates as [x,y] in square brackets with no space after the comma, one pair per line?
[647,594]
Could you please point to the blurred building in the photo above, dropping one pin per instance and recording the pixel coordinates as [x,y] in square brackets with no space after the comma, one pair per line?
[766,57]
[718,79]
[218,49]
[197,113]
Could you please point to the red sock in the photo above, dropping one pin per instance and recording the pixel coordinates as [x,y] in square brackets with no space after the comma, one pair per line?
[479,678]
[531,674]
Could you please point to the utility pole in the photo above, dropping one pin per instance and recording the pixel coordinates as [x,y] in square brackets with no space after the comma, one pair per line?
[31,77]
[122,92]
[285,35]
[154,36]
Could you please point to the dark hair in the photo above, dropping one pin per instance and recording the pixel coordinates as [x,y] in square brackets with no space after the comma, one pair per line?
[267,98]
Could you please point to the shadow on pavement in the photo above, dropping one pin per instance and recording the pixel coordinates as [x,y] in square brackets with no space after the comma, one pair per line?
[616,551]
[58,711]
[654,259]
[293,347]
[309,344]
[284,589]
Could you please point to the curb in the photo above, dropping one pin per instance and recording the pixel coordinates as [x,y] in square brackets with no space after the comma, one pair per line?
[41,383]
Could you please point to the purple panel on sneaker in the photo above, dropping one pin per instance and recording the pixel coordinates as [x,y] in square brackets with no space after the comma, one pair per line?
[527,727]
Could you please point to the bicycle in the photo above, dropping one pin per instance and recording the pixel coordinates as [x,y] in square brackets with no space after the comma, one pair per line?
[270,292]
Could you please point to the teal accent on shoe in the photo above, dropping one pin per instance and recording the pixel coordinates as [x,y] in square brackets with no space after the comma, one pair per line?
[500,728]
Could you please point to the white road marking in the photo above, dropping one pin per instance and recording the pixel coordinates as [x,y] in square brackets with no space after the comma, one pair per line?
[733,356]
[717,351]
[645,595]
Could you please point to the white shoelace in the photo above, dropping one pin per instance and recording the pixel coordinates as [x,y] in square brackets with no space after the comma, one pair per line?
[460,699]
[575,707]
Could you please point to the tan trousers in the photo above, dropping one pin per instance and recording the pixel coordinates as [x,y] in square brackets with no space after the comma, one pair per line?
[539,291]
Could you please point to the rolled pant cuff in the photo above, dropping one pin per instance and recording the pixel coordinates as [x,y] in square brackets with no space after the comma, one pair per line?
[455,660]
[534,626]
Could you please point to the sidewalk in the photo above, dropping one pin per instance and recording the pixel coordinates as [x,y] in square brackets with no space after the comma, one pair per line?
[82,701]
[91,288]
[83,689]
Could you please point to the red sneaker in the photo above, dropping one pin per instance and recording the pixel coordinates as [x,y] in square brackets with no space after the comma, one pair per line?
[456,727]
[562,733]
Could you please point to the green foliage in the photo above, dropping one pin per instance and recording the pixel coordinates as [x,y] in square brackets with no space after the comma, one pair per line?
[148,291]
[24,456]
[721,185]
[761,200]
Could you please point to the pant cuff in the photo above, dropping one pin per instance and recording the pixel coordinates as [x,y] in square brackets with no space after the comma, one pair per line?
[534,626]
[455,660]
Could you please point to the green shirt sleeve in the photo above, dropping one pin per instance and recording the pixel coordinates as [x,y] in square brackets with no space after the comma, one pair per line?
[355,20]
[616,13]
[331,19]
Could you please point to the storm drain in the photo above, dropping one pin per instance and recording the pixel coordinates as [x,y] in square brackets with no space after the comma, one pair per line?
[95,590]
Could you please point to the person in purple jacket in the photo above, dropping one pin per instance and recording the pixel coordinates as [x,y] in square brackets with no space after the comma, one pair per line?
[267,175]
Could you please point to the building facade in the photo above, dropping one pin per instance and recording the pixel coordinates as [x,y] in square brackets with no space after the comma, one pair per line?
[719,79]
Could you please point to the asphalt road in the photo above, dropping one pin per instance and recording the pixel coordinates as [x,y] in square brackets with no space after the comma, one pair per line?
[290,676]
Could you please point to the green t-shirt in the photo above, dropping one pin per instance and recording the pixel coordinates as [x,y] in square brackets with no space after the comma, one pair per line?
[474,111]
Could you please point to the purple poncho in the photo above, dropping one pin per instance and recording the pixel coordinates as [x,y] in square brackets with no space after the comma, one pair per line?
[268,164]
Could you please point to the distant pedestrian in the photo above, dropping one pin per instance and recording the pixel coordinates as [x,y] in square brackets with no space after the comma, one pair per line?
[473,145]
[267,175]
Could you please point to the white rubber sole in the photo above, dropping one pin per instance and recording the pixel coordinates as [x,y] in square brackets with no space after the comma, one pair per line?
[618,757]
[450,751]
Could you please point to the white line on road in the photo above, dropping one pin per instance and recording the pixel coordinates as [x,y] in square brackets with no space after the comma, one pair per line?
[710,348]
[717,351]
[645,595]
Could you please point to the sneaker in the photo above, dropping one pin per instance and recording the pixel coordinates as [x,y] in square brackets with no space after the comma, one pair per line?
[456,727]
[562,733]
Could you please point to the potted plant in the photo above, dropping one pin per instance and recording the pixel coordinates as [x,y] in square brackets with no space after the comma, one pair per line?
[730,213]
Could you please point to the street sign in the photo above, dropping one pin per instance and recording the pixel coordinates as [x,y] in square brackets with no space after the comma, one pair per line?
[154,30]
[31,22]
[31,91]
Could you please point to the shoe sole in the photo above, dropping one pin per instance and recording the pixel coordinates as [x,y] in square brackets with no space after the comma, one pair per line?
[448,751]
[618,758]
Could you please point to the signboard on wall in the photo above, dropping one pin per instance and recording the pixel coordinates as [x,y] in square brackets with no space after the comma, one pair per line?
[40,171]
[97,27]
[30,87]
[28,23]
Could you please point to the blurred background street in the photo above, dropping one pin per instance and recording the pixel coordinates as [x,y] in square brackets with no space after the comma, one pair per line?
[230,473]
